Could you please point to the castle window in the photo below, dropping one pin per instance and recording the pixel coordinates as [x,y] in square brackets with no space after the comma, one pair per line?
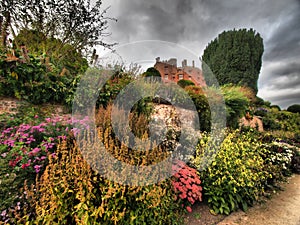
[166,76]
[180,76]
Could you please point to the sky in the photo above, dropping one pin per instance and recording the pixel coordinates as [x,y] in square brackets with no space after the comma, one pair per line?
[191,24]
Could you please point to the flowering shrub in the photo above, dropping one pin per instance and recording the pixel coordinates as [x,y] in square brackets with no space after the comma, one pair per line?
[24,151]
[186,185]
[236,176]
[278,159]
[25,147]
[70,192]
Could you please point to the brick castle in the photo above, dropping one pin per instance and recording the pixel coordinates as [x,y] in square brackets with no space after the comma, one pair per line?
[170,72]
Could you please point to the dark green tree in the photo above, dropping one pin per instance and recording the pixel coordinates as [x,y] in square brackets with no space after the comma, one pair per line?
[294,108]
[234,57]
[151,72]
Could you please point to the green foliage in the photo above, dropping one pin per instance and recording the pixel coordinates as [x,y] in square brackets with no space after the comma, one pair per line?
[36,82]
[282,120]
[276,107]
[81,24]
[58,56]
[202,106]
[185,83]
[151,72]
[70,192]
[294,108]
[234,57]
[235,179]
[236,104]
[119,79]
[235,98]
[241,168]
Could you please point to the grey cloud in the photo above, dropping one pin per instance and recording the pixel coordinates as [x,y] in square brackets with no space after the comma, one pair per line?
[194,23]
[285,41]
[290,82]
[288,68]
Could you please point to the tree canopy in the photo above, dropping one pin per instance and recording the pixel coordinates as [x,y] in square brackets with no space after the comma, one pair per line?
[152,72]
[80,23]
[234,57]
[294,108]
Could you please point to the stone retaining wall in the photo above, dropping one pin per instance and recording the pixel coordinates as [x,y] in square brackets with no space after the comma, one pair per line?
[10,105]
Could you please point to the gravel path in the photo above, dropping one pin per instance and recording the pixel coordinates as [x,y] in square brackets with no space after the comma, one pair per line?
[282,209]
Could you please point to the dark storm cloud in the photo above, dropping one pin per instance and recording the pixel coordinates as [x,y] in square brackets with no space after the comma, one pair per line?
[289,68]
[281,80]
[285,40]
[163,20]
[193,20]
[194,23]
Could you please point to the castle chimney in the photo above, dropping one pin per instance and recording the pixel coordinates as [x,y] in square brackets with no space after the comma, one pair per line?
[184,63]
[193,64]
[158,59]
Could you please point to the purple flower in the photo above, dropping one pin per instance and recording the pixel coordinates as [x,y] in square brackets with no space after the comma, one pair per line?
[34,151]
[37,168]
[63,137]
[48,120]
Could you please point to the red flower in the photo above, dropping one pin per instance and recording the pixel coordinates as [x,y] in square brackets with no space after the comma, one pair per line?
[189,209]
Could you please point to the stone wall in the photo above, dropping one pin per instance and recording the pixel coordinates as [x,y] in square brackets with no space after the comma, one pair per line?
[10,105]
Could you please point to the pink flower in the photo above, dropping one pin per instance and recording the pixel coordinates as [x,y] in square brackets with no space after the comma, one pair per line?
[37,168]
[189,209]
[41,129]
[34,151]
[36,116]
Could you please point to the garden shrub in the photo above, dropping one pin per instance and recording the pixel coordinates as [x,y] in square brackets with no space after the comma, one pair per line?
[278,160]
[294,108]
[187,185]
[185,83]
[282,120]
[235,98]
[236,176]
[35,81]
[23,153]
[242,169]
[197,94]
[261,112]
[236,103]
[70,192]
